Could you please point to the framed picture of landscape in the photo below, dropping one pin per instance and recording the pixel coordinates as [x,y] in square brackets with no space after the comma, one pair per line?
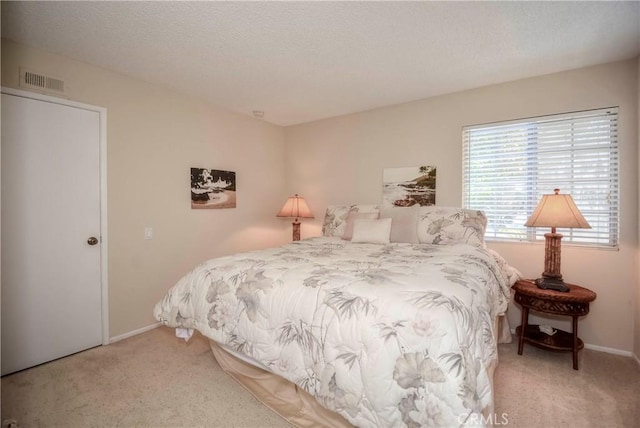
[212,188]
[403,187]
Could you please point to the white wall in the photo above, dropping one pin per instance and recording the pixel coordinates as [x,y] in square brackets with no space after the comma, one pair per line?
[340,160]
[637,300]
[154,137]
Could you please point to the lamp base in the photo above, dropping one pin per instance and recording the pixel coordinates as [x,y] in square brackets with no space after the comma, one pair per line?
[552,254]
[556,284]
[551,277]
[296,230]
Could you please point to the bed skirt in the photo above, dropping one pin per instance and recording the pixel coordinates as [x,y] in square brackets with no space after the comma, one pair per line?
[296,405]
[289,401]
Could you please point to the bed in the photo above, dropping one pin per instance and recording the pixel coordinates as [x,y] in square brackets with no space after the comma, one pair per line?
[388,319]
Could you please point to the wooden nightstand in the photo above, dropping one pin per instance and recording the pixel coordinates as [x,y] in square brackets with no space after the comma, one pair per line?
[574,303]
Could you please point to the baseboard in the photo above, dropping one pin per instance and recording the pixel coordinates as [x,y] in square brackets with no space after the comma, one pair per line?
[608,350]
[134,332]
[636,359]
[601,349]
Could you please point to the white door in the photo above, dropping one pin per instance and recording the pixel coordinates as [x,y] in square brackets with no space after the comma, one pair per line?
[51,275]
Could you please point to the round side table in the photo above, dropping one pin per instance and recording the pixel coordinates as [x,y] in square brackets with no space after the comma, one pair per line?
[574,303]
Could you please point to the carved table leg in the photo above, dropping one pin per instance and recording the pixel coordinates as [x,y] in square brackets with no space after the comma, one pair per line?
[575,342]
[523,328]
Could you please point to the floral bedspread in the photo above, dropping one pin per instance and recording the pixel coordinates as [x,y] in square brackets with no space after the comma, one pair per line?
[385,335]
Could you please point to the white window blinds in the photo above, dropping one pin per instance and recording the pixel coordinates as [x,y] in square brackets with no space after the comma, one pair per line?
[508,166]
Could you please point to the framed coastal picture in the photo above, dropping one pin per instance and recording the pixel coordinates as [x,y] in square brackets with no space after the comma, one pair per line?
[212,188]
[403,187]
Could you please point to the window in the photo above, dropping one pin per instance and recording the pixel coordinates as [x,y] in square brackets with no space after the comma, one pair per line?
[508,166]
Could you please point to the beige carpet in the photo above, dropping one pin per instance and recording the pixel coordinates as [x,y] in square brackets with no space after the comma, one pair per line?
[156,380]
[540,389]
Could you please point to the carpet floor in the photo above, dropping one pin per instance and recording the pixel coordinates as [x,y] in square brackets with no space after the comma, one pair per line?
[156,380]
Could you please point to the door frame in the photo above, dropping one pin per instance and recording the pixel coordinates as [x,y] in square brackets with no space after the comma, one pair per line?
[102,113]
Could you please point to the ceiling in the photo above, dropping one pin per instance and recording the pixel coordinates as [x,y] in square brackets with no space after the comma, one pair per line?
[305,61]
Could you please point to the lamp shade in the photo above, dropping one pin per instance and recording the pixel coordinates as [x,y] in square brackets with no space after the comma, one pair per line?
[557,210]
[295,207]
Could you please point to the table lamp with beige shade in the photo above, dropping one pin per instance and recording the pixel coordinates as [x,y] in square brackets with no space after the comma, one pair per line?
[554,211]
[296,208]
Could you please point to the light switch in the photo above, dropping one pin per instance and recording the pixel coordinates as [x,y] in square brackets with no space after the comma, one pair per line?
[148,233]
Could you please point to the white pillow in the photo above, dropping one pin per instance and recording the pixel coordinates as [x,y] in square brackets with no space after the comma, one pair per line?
[372,231]
[404,225]
[355,215]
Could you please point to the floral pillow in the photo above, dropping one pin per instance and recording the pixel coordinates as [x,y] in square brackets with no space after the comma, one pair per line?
[335,219]
[451,225]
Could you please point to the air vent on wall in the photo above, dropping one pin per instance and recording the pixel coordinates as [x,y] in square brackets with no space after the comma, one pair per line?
[32,80]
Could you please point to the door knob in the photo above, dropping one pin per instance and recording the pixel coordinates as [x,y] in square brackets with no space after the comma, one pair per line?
[92,241]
